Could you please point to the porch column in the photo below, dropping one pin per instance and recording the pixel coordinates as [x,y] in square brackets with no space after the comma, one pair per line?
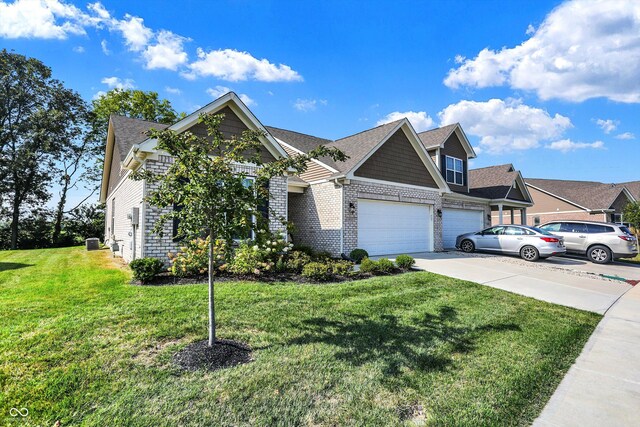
[500,214]
[523,216]
[512,216]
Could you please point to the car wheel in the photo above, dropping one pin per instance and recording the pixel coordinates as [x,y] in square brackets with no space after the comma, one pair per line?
[529,253]
[467,246]
[599,254]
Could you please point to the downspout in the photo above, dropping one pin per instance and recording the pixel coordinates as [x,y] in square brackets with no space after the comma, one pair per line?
[336,182]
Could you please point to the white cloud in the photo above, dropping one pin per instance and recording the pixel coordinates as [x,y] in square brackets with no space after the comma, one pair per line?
[530,30]
[136,34]
[308,104]
[218,91]
[167,53]
[233,65]
[98,94]
[608,125]
[172,90]
[43,19]
[78,49]
[420,120]
[505,125]
[105,47]
[625,136]
[566,145]
[582,50]
[118,83]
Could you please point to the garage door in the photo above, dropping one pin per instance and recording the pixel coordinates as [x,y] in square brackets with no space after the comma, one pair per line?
[393,228]
[459,221]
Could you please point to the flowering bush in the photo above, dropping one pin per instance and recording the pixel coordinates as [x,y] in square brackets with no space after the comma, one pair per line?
[193,258]
[250,259]
[273,245]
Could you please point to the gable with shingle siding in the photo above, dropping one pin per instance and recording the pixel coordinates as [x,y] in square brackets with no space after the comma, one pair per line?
[397,161]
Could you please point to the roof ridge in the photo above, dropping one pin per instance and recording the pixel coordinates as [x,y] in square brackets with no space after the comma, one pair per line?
[438,128]
[497,166]
[121,116]
[299,133]
[370,129]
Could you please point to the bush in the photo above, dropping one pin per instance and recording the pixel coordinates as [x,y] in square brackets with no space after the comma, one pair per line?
[146,269]
[193,258]
[385,266]
[368,266]
[272,246]
[405,262]
[317,271]
[323,256]
[305,249]
[250,260]
[358,255]
[341,268]
[297,260]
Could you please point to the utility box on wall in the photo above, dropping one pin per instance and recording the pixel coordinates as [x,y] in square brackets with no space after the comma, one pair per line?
[134,216]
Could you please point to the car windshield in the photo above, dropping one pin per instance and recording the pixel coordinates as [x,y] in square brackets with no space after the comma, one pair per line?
[541,231]
[625,230]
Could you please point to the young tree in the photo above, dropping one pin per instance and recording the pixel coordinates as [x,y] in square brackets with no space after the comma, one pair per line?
[211,190]
[632,216]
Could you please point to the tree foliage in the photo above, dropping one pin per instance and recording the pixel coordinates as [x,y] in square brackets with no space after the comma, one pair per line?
[214,194]
[632,216]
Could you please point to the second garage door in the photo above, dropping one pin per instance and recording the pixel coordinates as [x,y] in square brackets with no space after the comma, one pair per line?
[392,228]
[459,221]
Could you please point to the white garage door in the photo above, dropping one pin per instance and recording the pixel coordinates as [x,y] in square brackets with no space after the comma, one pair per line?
[393,228]
[459,221]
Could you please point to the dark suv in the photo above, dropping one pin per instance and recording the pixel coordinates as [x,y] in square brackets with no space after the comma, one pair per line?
[601,242]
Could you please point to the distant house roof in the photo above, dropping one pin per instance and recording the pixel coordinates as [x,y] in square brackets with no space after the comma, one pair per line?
[634,188]
[591,195]
[128,132]
[492,182]
[435,137]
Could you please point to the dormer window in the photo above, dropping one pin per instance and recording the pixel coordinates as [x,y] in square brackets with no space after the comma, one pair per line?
[455,174]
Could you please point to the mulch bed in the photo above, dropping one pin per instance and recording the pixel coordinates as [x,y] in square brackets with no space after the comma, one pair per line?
[223,354]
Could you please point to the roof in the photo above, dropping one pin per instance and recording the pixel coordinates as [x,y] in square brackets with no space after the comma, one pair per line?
[302,142]
[634,188]
[492,182]
[591,195]
[129,131]
[434,137]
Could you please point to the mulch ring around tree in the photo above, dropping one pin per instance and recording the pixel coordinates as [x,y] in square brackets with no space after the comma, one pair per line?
[223,354]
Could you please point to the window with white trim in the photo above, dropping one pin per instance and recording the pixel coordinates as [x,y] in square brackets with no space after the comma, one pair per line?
[455,170]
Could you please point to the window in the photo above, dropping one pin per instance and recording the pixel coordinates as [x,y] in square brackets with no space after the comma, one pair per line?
[573,227]
[551,227]
[597,228]
[536,220]
[515,231]
[241,234]
[494,231]
[616,217]
[455,173]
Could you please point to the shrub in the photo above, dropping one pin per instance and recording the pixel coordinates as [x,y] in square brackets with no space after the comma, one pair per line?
[323,255]
[368,266]
[304,248]
[193,258]
[146,269]
[297,260]
[250,259]
[272,245]
[341,268]
[405,262]
[317,271]
[358,255]
[385,266]
[281,265]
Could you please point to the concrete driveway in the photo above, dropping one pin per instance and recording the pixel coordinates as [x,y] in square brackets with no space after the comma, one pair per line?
[563,283]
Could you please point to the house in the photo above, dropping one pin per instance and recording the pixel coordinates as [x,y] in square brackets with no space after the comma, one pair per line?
[556,199]
[398,192]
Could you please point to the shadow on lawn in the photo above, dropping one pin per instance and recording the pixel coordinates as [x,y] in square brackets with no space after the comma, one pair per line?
[5,266]
[427,344]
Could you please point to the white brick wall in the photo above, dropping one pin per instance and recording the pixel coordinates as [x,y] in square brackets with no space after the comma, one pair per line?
[127,194]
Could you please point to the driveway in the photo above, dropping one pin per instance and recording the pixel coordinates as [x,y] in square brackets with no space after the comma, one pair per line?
[572,283]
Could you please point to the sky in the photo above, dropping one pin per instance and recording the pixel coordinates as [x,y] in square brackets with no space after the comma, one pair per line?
[550,86]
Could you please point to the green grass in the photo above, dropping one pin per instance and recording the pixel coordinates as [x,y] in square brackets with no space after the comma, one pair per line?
[634,260]
[81,345]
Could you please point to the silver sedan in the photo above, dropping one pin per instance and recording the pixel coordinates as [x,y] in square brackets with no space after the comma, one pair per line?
[530,243]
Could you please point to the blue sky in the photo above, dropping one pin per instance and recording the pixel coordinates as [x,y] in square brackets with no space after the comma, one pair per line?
[551,86]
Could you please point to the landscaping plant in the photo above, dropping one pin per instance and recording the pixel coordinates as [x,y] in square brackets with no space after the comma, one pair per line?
[146,269]
[320,271]
[358,255]
[368,266]
[405,262]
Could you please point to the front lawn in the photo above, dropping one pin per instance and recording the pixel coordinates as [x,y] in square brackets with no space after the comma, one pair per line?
[634,260]
[81,345]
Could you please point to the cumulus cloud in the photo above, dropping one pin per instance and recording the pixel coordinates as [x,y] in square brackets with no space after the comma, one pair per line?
[625,136]
[105,47]
[582,50]
[504,126]
[136,35]
[233,65]
[218,91]
[420,120]
[168,52]
[566,145]
[118,83]
[43,19]
[608,125]
[308,104]
[172,90]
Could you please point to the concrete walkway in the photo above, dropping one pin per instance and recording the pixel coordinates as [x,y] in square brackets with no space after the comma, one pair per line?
[603,387]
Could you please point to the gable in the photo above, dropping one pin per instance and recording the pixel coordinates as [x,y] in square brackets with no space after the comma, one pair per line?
[620,202]
[116,172]
[544,203]
[230,127]
[397,161]
[453,147]
[517,193]
[314,171]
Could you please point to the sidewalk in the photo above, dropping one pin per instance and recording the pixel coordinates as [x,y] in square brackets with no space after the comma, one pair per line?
[602,388]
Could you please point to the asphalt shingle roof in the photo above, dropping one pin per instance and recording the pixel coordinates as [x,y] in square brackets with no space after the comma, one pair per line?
[434,137]
[302,142]
[129,132]
[634,188]
[588,194]
[492,182]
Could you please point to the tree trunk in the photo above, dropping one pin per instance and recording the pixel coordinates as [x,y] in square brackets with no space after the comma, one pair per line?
[57,226]
[14,221]
[212,312]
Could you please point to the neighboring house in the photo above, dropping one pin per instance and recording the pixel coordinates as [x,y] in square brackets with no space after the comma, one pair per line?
[634,188]
[556,199]
[398,192]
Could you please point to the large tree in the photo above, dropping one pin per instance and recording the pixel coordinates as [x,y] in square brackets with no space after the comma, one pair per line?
[35,110]
[211,190]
